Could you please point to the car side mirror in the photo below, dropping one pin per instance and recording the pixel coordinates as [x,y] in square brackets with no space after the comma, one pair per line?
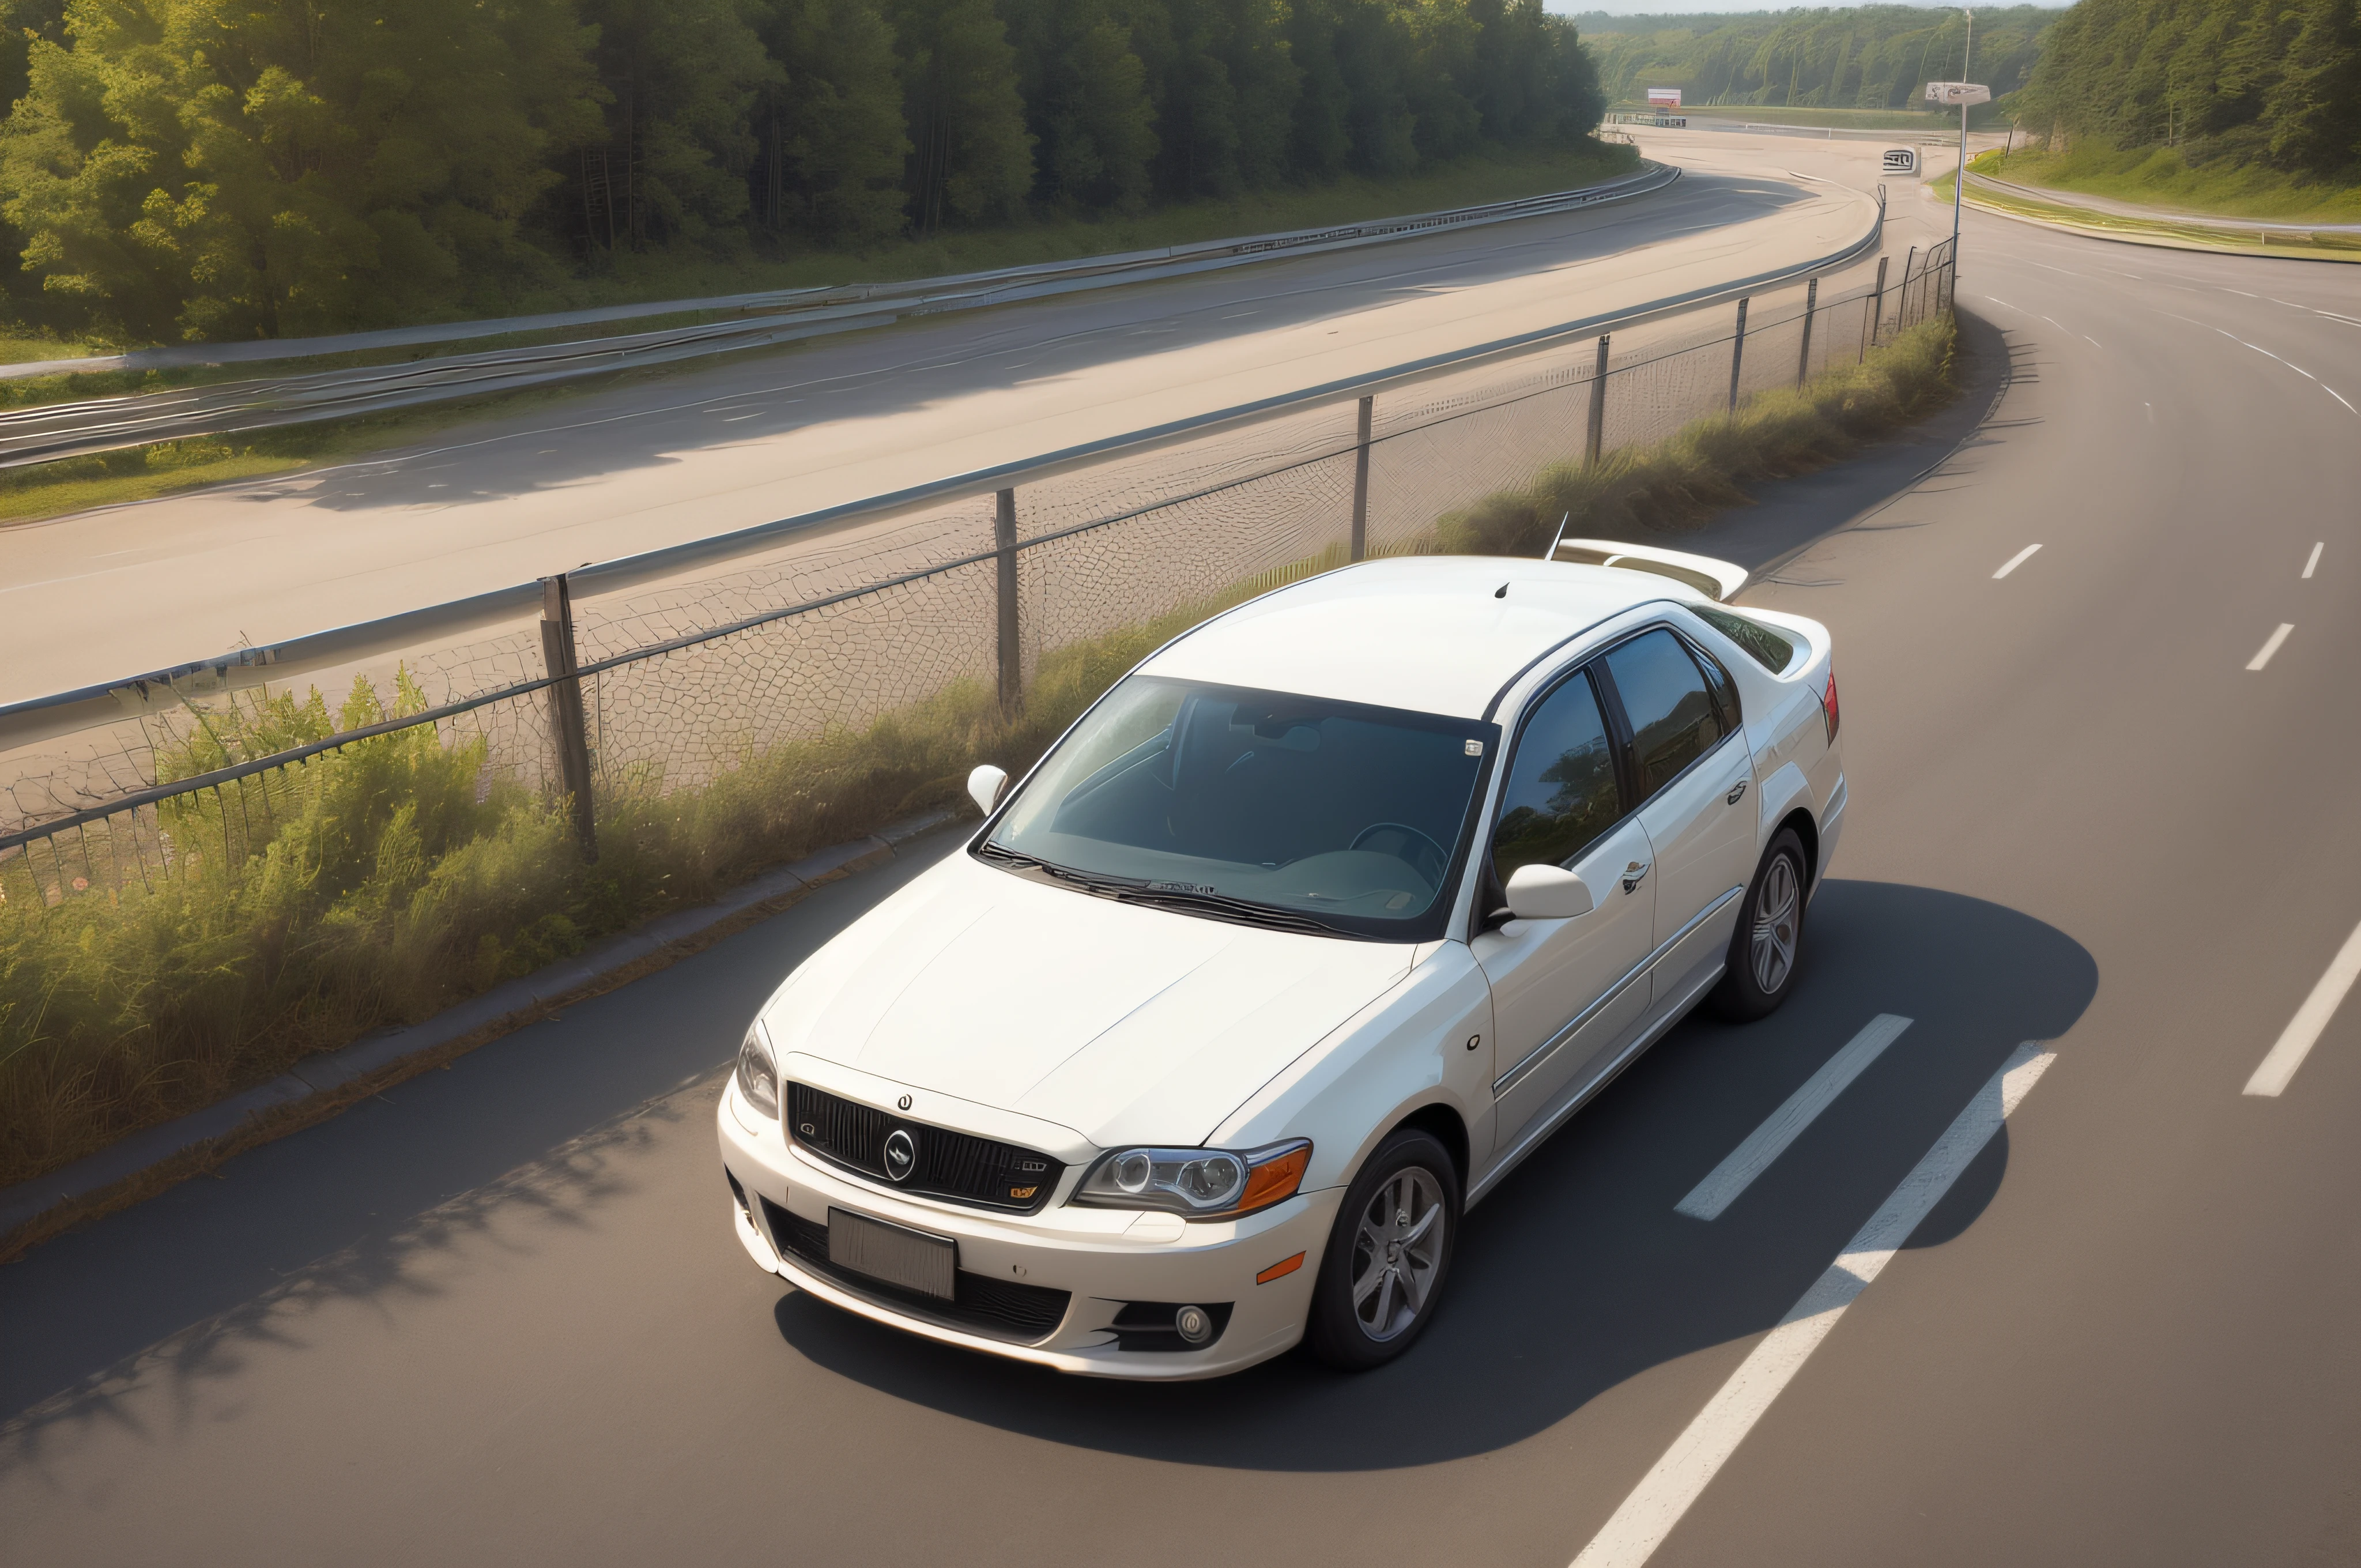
[1547,893]
[987,783]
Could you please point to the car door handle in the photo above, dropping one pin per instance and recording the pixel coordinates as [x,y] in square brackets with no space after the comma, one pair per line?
[1737,792]
[1635,874]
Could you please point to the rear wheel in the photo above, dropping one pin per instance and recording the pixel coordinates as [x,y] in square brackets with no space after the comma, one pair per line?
[1770,935]
[1388,1255]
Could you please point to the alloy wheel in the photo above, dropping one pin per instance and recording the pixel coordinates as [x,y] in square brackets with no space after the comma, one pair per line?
[1397,1249]
[1776,912]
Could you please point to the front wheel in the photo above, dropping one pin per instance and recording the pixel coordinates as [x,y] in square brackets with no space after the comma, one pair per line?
[1388,1255]
[1770,936]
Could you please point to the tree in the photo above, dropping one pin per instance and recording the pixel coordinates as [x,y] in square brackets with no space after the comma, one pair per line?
[211,168]
[681,77]
[1086,103]
[837,143]
[973,161]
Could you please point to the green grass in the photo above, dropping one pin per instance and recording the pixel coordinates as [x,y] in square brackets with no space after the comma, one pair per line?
[381,883]
[2162,177]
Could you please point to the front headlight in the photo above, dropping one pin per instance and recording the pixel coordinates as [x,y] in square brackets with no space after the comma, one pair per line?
[1201,1183]
[758,1075]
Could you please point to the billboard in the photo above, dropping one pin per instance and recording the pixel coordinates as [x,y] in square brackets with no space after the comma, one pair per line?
[1664,97]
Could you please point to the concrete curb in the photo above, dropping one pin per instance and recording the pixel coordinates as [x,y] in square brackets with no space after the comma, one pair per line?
[2162,241]
[499,1010]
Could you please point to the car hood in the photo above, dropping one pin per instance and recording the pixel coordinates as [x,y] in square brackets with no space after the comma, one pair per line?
[1124,1024]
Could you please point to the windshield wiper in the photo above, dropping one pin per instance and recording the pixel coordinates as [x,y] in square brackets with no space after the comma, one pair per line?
[1131,890]
[1233,909]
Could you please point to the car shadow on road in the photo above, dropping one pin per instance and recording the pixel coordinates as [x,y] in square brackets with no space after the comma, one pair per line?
[1577,1274]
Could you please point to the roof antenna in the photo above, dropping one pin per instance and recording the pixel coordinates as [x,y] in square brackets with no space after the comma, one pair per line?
[1501,592]
[1550,553]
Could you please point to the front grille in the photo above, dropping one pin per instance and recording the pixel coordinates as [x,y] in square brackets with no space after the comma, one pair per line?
[957,1167]
[1001,1309]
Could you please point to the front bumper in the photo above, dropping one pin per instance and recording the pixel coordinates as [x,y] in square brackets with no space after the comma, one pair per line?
[1012,1266]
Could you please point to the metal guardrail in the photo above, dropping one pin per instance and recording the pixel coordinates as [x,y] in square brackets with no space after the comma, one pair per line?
[46,433]
[37,719]
[2163,217]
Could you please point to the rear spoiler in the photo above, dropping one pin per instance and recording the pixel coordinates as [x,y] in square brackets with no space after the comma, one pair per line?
[1718,580]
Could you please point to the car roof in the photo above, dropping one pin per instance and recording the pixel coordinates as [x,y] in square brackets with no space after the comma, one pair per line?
[1432,633]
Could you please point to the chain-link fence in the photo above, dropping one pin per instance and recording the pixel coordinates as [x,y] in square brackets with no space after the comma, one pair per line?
[671,684]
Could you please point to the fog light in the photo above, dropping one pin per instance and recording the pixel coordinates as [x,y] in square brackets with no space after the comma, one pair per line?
[1194,1324]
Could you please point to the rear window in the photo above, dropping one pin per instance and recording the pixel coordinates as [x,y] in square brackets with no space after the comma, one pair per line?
[1766,647]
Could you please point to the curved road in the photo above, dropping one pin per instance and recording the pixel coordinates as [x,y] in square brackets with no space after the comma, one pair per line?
[752,438]
[499,1316]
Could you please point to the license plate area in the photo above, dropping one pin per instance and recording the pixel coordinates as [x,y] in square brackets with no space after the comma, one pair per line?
[895,1254]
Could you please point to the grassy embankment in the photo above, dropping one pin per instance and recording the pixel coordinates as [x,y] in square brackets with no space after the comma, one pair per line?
[379,888]
[2272,201]
[140,474]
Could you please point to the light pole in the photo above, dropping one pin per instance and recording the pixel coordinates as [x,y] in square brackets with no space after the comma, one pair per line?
[1962,93]
[1959,181]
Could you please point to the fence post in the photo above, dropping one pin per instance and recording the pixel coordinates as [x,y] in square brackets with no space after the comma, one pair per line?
[1597,405]
[1803,355]
[1902,305]
[1876,307]
[567,726]
[1012,657]
[1736,354]
[1361,481]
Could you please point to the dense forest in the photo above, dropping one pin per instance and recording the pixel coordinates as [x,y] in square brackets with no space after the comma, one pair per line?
[1866,57]
[223,169]
[2223,82]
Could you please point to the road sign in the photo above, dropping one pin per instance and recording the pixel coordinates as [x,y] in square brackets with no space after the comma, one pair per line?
[1958,93]
[1660,98]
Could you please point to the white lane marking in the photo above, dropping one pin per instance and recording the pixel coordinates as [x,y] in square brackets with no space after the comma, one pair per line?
[2014,562]
[1749,1159]
[2295,1041]
[2339,397]
[2241,292]
[2313,564]
[2092,342]
[733,419]
[1997,299]
[2332,315]
[2151,411]
[2271,646]
[1666,1492]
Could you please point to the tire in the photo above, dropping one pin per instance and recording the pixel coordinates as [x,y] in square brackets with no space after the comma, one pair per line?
[1764,949]
[1392,1242]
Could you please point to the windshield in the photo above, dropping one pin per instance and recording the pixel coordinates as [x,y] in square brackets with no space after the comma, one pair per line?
[1242,804]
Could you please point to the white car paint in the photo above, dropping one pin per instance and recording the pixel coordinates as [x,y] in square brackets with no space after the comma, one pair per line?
[1043,1017]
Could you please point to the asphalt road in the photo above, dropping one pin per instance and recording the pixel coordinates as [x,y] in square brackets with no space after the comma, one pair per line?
[500,1316]
[750,438]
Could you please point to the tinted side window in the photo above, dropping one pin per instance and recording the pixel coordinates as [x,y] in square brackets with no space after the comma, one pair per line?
[1673,719]
[1561,792]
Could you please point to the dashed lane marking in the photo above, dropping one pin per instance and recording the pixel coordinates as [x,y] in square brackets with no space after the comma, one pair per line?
[2313,564]
[1681,1476]
[2295,1042]
[1749,1159]
[2014,562]
[2271,645]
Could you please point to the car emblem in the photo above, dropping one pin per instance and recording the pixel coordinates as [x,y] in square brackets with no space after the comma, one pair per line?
[904,1103]
[901,1154]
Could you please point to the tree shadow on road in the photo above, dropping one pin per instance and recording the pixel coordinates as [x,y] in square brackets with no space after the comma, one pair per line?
[1576,1274]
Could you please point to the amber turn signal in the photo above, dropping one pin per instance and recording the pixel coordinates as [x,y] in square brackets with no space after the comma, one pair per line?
[1275,1179]
[1279,1270]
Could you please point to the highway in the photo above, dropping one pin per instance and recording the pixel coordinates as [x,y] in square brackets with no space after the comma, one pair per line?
[750,438]
[2099,803]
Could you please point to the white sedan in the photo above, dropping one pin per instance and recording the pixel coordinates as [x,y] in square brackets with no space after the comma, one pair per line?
[1294,945]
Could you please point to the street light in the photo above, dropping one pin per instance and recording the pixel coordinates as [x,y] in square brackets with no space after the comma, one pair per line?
[1962,93]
